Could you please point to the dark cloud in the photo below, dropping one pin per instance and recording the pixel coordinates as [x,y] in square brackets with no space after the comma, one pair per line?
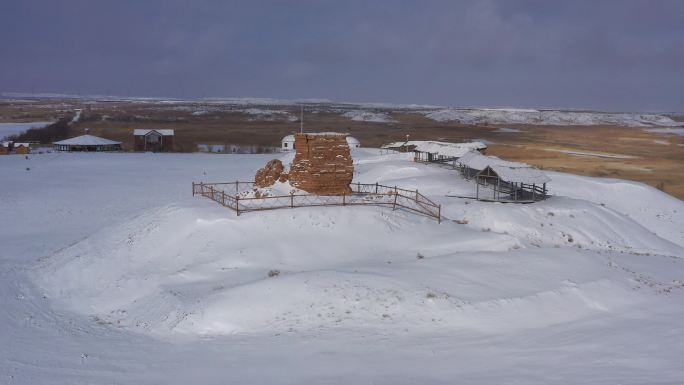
[615,55]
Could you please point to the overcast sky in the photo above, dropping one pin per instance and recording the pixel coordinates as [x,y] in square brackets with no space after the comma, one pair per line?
[619,55]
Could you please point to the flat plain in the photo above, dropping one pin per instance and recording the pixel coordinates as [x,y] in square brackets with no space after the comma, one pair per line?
[613,151]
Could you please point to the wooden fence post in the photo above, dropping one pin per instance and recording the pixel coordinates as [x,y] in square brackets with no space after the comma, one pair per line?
[223,198]
[236,187]
[376,187]
[498,192]
[439,214]
[237,205]
[416,195]
[358,187]
[515,191]
[291,200]
[394,205]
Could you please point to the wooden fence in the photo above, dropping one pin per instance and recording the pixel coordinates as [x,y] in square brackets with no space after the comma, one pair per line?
[501,190]
[231,195]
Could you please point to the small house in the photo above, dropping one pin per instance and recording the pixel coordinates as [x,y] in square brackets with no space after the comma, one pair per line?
[5,148]
[87,143]
[287,144]
[154,140]
[22,148]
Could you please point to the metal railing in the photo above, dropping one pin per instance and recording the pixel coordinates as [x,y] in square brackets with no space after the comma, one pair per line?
[232,196]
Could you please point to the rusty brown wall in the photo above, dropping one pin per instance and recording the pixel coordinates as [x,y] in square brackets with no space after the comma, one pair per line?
[168,144]
[139,143]
[322,164]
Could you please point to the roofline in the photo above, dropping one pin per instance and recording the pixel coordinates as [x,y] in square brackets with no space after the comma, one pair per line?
[149,131]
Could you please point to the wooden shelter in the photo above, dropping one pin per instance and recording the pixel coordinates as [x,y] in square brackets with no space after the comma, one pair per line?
[503,181]
[512,184]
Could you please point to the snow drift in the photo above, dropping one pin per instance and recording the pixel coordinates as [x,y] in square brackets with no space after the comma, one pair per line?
[195,269]
[120,274]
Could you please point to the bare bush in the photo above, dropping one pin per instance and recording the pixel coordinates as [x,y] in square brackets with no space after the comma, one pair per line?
[273,273]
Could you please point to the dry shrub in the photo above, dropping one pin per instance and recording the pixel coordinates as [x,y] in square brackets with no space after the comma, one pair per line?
[273,273]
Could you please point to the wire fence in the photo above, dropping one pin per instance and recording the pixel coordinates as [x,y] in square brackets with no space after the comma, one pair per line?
[228,194]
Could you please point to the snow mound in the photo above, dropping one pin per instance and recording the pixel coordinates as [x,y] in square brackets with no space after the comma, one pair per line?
[651,208]
[192,268]
[277,189]
[156,271]
[563,222]
[196,269]
[321,300]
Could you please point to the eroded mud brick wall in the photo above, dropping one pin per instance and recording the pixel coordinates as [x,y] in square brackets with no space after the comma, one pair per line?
[322,164]
[269,174]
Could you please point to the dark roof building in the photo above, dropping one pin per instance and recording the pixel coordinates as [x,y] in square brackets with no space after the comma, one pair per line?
[155,140]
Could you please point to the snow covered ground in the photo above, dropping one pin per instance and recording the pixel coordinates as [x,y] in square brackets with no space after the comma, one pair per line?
[278,109]
[591,154]
[262,114]
[673,131]
[506,130]
[547,117]
[368,116]
[111,272]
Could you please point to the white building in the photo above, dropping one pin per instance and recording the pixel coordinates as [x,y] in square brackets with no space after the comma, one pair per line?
[87,143]
[287,143]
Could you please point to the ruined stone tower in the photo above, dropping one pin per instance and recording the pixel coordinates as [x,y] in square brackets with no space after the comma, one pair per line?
[322,164]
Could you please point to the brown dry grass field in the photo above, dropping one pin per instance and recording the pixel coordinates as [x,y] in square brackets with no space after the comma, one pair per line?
[616,152]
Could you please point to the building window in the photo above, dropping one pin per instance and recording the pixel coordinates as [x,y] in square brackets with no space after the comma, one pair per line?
[153,137]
